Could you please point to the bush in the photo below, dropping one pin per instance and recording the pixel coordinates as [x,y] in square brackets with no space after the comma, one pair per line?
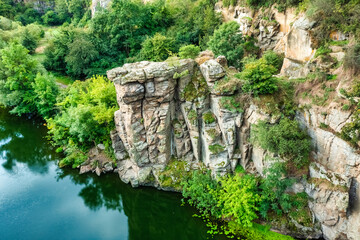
[208,117]
[157,48]
[29,41]
[51,18]
[189,51]
[86,112]
[286,139]
[259,78]
[273,59]
[350,132]
[228,41]
[273,187]
[238,199]
[352,58]
[199,192]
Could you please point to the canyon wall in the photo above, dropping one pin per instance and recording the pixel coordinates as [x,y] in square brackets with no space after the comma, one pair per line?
[172,112]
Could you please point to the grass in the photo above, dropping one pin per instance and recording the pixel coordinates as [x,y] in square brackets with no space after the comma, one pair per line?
[66,80]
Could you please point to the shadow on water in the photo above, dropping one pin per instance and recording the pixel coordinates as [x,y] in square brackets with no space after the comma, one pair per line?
[22,142]
[53,203]
[152,214]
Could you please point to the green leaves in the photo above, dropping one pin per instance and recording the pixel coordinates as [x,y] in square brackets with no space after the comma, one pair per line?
[86,115]
[258,76]
[239,199]
[228,41]
[157,48]
[286,139]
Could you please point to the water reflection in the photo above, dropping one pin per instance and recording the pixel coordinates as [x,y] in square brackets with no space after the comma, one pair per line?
[52,203]
[22,141]
[151,214]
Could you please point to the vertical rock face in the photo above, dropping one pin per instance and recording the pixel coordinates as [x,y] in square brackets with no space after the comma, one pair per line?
[337,172]
[168,111]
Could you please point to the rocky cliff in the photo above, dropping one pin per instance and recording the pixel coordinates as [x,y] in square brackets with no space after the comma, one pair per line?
[172,115]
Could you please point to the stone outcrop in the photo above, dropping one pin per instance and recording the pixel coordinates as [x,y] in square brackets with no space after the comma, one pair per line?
[97,5]
[173,112]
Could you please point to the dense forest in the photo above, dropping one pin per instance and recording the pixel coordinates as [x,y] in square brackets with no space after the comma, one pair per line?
[44,49]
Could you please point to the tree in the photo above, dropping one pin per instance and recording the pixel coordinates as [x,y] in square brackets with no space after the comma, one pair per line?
[17,73]
[189,51]
[81,53]
[273,186]
[29,41]
[228,41]
[157,48]
[238,199]
[285,138]
[46,91]
[258,76]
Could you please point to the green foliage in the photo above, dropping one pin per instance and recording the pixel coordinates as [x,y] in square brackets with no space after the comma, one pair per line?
[350,132]
[273,187]
[157,48]
[189,51]
[228,41]
[231,103]
[332,15]
[352,58]
[216,148]
[81,53]
[199,192]
[259,78]
[208,117]
[274,59]
[228,3]
[285,138]
[51,18]
[29,41]
[323,50]
[46,91]
[238,199]
[85,115]
[17,73]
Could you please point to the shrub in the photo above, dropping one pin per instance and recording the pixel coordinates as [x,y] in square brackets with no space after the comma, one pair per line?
[273,59]
[228,41]
[259,78]
[208,117]
[81,54]
[189,51]
[352,58]
[157,48]
[51,18]
[199,192]
[231,103]
[285,138]
[29,41]
[216,148]
[46,90]
[273,187]
[350,132]
[238,199]
[86,112]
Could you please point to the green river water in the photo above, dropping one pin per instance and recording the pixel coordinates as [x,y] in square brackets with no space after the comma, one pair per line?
[40,201]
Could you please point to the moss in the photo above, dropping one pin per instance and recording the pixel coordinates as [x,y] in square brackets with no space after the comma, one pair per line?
[232,103]
[216,148]
[212,133]
[180,75]
[208,118]
[192,116]
[196,88]
[174,173]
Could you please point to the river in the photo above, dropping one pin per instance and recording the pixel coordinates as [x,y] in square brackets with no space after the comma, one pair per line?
[40,201]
